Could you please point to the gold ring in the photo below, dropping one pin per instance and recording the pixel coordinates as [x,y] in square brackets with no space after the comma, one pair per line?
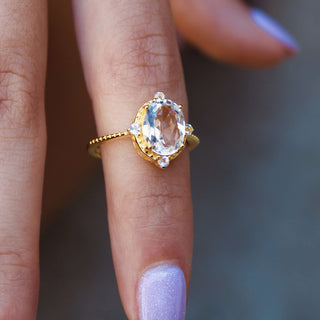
[159,132]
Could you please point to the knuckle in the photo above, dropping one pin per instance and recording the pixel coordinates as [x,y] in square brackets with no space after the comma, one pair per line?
[18,273]
[146,60]
[19,97]
[157,208]
[15,269]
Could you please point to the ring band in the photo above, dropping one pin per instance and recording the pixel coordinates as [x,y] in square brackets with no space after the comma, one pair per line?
[94,144]
[159,132]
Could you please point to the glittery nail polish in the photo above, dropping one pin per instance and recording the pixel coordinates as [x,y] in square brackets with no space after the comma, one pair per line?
[162,294]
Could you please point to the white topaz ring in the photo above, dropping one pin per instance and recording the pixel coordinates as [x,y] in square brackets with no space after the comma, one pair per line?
[159,132]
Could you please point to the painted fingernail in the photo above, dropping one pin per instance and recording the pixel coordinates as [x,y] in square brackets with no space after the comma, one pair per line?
[268,24]
[162,294]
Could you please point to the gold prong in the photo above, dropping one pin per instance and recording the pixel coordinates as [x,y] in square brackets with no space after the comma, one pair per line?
[180,106]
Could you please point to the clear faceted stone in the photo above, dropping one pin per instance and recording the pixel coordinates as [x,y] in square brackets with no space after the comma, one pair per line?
[189,128]
[163,162]
[159,95]
[135,128]
[164,127]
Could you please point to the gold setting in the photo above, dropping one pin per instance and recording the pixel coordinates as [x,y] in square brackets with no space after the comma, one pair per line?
[139,141]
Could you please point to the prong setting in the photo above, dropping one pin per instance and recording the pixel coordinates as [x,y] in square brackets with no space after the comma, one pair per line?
[162,130]
[189,129]
[135,129]
[159,95]
[164,162]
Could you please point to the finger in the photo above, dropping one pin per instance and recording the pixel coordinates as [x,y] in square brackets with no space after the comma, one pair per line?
[232,32]
[22,153]
[129,52]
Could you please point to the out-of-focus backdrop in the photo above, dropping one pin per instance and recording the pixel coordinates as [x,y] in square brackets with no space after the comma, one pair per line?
[255,179]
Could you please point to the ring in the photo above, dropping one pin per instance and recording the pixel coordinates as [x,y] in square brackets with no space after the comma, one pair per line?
[159,132]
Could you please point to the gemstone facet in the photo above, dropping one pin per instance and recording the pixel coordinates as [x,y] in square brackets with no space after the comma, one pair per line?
[164,126]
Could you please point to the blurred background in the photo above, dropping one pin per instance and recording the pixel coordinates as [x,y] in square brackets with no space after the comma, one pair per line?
[255,179]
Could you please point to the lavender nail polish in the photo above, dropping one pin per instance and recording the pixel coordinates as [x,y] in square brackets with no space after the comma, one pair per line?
[162,294]
[268,24]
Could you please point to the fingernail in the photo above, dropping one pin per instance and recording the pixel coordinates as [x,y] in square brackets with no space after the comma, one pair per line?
[268,24]
[162,294]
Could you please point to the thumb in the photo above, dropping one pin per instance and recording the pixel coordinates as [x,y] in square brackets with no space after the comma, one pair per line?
[233,32]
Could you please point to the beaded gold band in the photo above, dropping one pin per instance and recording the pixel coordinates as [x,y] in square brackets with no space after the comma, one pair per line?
[159,132]
[94,144]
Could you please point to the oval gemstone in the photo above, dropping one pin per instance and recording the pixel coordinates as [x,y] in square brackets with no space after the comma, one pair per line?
[164,127]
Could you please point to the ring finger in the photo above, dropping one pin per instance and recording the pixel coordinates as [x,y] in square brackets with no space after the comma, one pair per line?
[129,52]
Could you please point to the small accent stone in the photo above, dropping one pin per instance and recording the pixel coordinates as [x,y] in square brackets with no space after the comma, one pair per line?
[159,95]
[164,162]
[189,129]
[135,128]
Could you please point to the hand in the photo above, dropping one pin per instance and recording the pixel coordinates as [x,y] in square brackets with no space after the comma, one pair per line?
[129,52]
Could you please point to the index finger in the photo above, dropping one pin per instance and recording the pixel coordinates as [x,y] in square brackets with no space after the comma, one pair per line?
[129,52]
[23,39]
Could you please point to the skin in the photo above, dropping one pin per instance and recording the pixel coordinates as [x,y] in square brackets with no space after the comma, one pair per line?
[129,51]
